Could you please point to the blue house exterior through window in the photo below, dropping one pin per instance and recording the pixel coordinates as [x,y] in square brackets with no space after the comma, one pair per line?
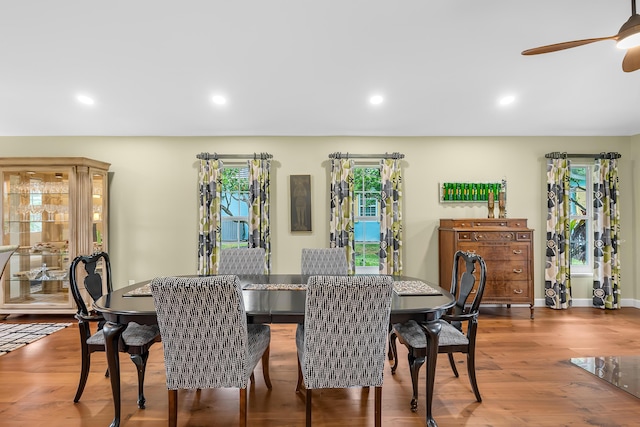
[234,207]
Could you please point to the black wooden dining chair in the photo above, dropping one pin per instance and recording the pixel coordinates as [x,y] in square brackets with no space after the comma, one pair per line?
[459,325]
[91,275]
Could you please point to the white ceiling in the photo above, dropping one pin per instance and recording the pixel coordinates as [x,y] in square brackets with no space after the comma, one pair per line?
[308,67]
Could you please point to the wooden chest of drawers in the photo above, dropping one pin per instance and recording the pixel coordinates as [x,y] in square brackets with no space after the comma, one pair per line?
[505,244]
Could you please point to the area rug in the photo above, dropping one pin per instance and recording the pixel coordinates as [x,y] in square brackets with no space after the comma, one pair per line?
[16,335]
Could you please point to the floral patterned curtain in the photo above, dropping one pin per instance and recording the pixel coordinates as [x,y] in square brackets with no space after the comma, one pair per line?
[606,232]
[391,217]
[557,285]
[259,199]
[209,225]
[341,215]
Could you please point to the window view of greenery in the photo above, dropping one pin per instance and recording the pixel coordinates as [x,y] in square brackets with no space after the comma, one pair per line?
[580,216]
[234,207]
[367,187]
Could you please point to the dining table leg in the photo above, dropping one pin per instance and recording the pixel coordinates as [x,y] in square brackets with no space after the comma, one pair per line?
[112,332]
[432,330]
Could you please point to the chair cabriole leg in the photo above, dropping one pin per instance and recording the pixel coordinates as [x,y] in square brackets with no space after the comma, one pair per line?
[393,351]
[140,360]
[414,366]
[471,369]
[84,373]
[452,362]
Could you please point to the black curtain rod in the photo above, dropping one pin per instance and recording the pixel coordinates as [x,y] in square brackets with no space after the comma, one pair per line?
[216,156]
[559,155]
[339,155]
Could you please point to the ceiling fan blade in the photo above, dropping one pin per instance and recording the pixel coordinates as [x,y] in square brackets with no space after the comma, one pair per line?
[631,61]
[565,45]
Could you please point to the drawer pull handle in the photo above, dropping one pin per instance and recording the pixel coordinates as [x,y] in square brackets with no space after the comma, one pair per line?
[518,224]
[517,251]
[473,291]
[516,291]
[517,270]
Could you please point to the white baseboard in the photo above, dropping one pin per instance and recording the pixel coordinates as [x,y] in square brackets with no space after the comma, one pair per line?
[588,302]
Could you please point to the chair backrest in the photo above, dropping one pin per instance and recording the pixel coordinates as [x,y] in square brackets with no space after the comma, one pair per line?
[324,261]
[5,253]
[203,326]
[90,273]
[345,330]
[241,261]
[462,284]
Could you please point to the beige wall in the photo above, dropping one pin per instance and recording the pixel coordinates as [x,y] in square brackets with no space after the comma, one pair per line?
[153,199]
[632,271]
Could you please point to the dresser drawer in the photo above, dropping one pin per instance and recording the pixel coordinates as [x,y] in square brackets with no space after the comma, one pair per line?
[487,236]
[484,222]
[489,223]
[508,270]
[515,252]
[512,290]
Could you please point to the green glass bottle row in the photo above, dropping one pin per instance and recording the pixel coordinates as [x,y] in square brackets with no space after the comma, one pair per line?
[469,191]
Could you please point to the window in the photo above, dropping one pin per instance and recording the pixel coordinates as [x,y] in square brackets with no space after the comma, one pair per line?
[580,223]
[367,187]
[234,207]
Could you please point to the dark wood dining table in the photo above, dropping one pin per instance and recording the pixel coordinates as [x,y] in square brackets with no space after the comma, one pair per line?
[273,298]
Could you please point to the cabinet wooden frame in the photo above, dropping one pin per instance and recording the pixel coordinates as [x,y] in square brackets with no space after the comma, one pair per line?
[84,225]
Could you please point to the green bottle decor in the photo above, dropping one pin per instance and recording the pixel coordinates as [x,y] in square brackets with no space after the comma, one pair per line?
[472,191]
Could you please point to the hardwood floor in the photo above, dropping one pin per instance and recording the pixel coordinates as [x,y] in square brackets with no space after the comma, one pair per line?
[523,373]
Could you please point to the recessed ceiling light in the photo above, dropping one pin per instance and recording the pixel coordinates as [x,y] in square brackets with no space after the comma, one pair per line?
[376,100]
[218,99]
[506,100]
[84,99]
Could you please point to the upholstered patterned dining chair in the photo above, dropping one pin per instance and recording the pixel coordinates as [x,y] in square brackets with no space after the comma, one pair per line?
[459,326]
[324,261]
[344,315]
[207,341]
[90,277]
[241,261]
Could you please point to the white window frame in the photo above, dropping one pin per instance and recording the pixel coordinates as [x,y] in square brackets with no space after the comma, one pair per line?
[235,218]
[364,219]
[587,268]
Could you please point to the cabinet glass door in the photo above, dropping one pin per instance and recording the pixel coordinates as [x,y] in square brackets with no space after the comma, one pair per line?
[36,213]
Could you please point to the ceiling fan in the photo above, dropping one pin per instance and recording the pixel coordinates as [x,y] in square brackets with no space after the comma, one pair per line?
[628,38]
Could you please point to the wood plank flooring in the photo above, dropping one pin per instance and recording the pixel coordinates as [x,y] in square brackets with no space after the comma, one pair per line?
[523,369]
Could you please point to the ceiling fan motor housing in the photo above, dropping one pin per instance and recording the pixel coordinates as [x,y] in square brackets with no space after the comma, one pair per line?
[629,29]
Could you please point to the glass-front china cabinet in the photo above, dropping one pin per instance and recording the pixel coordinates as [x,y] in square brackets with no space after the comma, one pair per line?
[53,209]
